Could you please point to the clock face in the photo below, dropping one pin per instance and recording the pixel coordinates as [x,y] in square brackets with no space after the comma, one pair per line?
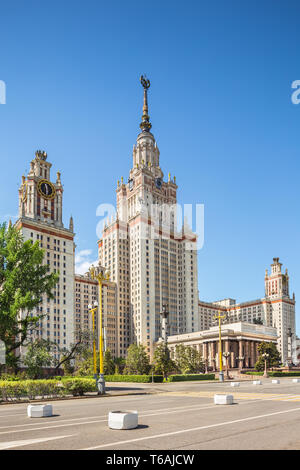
[46,189]
[158,183]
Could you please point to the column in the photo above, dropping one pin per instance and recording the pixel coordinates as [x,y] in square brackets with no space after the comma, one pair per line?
[241,353]
[247,354]
[214,355]
[252,361]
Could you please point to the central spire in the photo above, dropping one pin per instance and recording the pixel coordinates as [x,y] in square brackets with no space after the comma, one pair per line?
[145,124]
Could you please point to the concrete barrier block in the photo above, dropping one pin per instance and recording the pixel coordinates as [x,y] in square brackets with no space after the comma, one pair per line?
[235,384]
[275,381]
[39,411]
[123,419]
[257,382]
[223,399]
[296,381]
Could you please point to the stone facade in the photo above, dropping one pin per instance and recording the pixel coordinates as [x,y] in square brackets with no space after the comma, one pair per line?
[86,293]
[240,339]
[276,309]
[151,263]
[40,219]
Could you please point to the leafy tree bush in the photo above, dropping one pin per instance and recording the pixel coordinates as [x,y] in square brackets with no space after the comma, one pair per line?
[274,357]
[162,363]
[137,361]
[188,360]
[79,386]
[109,364]
[24,279]
[38,355]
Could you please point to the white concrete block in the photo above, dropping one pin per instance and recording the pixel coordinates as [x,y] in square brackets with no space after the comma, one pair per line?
[257,382]
[235,384]
[39,411]
[123,419]
[223,399]
[296,381]
[275,381]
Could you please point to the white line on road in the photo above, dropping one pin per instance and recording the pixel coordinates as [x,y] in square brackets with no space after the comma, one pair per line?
[200,428]
[27,442]
[158,412]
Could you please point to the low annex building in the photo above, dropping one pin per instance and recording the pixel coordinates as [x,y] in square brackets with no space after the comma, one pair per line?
[240,339]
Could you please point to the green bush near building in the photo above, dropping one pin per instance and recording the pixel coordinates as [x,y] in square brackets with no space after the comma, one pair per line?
[134,378]
[182,378]
[277,373]
[32,389]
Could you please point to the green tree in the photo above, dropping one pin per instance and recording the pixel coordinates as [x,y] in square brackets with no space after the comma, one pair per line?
[38,356]
[274,358]
[24,279]
[109,364]
[188,360]
[85,365]
[137,361]
[120,364]
[257,321]
[162,363]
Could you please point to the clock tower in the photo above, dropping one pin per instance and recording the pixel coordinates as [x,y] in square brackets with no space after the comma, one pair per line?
[39,198]
[40,219]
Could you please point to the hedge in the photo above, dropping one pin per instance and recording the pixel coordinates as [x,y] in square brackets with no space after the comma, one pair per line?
[181,378]
[31,389]
[134,378]
[276,374]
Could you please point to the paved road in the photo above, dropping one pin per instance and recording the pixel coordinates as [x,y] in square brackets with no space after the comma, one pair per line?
[179,416]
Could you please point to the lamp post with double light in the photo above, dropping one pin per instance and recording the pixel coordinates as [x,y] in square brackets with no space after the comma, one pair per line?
[100,275]
[265,358]
[226,355]
[92,310]
[219,317]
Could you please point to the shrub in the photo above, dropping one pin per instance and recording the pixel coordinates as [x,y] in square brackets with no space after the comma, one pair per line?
[79,386]
[134,378]
[10,390]
[181,378]
[277,373]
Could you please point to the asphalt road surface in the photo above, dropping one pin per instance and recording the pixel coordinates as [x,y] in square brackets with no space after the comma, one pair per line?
[178,416]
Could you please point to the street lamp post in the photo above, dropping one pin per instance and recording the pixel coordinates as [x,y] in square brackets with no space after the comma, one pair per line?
[92,311]
[226,355]
[164,323]
[240,359]
[265,357]
[221,373]
[98,273]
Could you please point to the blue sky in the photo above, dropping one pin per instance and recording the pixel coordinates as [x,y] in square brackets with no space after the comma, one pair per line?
[220,105]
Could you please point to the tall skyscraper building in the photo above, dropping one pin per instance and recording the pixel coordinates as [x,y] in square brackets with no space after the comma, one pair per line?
[40,219]
[151,261]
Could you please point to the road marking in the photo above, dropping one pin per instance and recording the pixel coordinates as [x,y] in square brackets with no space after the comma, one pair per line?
[158,412]
[200,428]
[241,395]
[185,408]
[27,442]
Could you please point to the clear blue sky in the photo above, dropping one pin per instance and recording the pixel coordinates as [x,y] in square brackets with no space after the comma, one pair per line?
[220,105]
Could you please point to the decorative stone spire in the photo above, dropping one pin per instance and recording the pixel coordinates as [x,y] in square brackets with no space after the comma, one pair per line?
[145,124]
[71,224]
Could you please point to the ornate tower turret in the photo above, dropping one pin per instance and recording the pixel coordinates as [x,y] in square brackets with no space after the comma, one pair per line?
[39,198]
